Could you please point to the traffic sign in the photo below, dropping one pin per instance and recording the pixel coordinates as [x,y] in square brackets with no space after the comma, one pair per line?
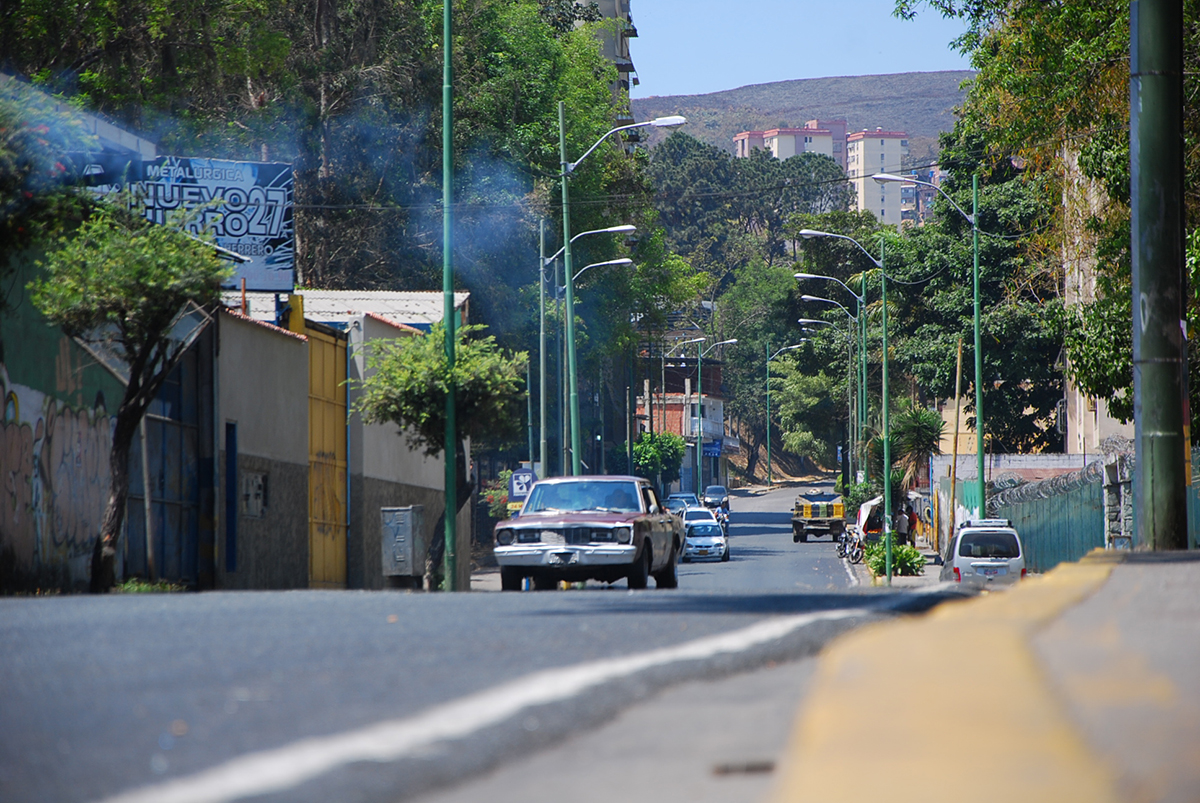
[519,484]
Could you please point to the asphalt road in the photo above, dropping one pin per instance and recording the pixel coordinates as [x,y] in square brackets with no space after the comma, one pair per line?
[370,696]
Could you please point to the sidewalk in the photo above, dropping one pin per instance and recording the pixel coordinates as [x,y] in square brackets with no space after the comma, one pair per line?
[1081,684]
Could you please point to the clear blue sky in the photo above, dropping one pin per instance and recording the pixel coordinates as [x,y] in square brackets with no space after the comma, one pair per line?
[687,47]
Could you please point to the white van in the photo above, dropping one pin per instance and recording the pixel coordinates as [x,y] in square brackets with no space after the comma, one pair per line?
[984,552]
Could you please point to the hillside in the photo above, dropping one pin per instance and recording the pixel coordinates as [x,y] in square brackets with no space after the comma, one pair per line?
[920,103]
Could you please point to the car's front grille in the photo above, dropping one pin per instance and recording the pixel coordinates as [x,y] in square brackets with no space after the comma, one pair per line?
[566,536]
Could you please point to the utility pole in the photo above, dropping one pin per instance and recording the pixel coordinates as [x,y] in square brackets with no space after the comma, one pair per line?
[545,468]
[1159,282]
[450,583]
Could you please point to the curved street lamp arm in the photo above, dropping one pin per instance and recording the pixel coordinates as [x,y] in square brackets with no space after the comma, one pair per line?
[621,261]
[628,227]
[684,343]
[787,348]
[809,233]
[885,178]
[857,297]
[569,167]
[722,343]
[851,315]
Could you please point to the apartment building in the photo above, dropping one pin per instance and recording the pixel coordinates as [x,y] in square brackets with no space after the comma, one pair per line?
[869,153]
[784,143]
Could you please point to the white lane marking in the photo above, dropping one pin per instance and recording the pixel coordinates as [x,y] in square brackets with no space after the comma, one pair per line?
[286,767]
[854,581]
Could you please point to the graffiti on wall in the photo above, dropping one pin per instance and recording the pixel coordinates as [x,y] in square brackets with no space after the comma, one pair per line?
[54,473]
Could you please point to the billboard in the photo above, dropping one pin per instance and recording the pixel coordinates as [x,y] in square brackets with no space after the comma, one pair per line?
[246,206]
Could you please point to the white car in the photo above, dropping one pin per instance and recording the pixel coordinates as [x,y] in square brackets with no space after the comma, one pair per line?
[705,541]
[984,553]
[698,515]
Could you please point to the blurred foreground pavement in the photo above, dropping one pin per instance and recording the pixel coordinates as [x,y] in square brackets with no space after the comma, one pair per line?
[1079,685]
[1082,684]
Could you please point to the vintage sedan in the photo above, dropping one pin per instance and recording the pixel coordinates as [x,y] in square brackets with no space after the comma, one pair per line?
[589,528]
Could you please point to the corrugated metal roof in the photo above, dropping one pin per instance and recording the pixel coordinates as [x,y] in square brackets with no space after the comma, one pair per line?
[418,309]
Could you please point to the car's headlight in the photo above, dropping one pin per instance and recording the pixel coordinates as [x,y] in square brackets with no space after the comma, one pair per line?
[624,535]
[504,537]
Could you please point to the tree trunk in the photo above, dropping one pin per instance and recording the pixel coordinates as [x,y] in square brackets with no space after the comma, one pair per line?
[752,459]
[104,552]
[434,575]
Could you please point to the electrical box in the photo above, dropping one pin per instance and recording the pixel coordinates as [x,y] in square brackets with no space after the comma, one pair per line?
[403,541]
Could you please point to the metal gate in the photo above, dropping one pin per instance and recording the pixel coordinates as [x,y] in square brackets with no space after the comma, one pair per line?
[326,458]
[172,426]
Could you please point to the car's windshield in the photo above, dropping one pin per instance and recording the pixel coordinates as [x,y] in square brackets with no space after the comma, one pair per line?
[687,499]
[714,490]
[614,496]
[676,504]
[989,544]
[705,531]
[699,513]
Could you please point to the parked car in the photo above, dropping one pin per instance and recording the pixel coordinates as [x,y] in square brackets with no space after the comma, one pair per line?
[691,500]
[984,552]
[716,496]
[605,528]
[705,542]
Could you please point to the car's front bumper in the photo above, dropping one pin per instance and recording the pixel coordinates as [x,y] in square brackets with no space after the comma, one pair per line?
[553,556]
[704,551]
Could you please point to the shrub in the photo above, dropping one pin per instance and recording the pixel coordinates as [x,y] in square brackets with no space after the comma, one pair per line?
[906,560]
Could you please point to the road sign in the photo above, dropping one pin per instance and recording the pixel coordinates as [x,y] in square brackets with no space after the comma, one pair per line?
[519,484]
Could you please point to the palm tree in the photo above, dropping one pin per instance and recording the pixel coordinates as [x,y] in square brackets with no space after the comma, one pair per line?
[916,435]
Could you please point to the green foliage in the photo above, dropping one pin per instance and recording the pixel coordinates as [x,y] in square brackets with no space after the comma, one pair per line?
[564,15]
[657,456]
[907,560]
[916,434]
[35,203]
[409,379]
[495,492]
[122,279]
[136,585]
[853,497]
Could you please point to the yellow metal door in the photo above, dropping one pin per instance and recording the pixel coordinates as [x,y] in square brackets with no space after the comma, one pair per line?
[326,460]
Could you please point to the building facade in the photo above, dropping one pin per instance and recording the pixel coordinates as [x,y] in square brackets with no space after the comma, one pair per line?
[867,154]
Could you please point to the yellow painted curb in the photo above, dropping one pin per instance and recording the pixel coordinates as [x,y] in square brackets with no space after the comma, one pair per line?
[951,706]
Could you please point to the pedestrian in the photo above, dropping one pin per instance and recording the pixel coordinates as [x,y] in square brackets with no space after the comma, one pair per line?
[900,525]
[912,523]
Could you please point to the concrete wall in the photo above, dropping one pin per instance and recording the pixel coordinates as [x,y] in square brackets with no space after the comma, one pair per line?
[386,472]
[262,387]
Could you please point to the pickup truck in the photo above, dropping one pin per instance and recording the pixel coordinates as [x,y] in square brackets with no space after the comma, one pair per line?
[605,528]
[818,513]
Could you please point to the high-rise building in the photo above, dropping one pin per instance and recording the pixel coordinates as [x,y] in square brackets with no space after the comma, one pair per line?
[867,154]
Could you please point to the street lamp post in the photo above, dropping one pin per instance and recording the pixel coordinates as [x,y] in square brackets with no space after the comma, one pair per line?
[700,352]
[861,322]
[887,427]
[543,262]
[973,219]
[567,168]
[769,358]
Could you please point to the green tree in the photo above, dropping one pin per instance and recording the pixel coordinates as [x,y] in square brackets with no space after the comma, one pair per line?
[657,456]
[122,281]
[916,434]
[407,383]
